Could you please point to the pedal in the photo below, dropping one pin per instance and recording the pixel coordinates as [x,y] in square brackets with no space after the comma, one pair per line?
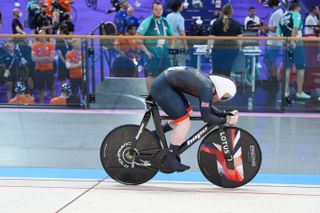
[156,157]
[148,155]
[159,159]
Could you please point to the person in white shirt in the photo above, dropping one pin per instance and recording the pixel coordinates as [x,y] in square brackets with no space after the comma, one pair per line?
[252,22]
[312,19]
[273,47]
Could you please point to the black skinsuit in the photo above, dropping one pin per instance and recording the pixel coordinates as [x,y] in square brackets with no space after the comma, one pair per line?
[168,88]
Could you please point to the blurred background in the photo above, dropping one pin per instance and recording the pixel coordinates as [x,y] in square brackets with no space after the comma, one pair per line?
[111,72]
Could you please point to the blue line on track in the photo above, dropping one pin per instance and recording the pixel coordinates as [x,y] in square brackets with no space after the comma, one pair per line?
[18,172]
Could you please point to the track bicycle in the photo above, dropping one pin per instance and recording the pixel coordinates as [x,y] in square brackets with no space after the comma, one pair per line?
[228,156]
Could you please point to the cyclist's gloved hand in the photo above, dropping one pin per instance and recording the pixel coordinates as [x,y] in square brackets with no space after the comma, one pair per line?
[222,113]
[232,117]
[231,112]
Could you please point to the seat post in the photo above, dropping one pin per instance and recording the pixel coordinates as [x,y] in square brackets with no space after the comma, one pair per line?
[157,121]
[142,127]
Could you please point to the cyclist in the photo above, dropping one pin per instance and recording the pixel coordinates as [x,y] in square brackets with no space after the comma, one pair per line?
[167,90]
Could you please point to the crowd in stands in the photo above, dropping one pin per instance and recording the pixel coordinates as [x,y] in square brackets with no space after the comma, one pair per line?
[33,64]
[28,65]
[285,21]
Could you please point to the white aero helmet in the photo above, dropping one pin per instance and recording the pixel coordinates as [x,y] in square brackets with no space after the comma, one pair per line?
[224,85]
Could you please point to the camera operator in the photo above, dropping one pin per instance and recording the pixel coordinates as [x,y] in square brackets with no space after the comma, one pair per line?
[116,6]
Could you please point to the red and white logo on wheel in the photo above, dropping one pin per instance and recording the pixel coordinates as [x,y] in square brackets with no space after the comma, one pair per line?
[235,174]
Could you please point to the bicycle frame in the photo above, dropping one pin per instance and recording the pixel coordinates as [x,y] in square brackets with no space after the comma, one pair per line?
[152,109]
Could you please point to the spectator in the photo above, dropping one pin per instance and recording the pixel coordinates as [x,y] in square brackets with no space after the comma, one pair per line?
[127,47]
[62,99]
[216,16]
[128,50]
[67,24]
[62,7]
[225,26]
[62,47]
[49,5]
[291,26]
[33,9]
[252,22]
[120,18]
[66,5]
[43,56]
[11,61]
[43,21]
[131,19]
[74,64]
[56,19]
[21,97]
[156,50]
[17,27]
[24,51]
[312,19]
[272,46]
[178,27]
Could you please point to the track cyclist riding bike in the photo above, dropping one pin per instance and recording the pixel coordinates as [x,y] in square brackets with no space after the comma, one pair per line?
[168,91]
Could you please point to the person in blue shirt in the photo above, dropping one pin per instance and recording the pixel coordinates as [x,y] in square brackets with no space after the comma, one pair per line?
[131,19]
[178,27]
[120,18]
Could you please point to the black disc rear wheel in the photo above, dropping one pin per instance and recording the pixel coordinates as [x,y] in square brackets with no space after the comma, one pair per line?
[246,157]
[117,161]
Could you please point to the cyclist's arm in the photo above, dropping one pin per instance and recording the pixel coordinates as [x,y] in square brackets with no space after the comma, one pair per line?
[208,115]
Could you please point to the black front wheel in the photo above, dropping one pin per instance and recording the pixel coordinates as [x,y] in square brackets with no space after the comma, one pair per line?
[119,164]
[245,156]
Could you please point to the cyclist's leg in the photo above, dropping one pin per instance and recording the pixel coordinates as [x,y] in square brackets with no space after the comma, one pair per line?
[180,132]
[178,136]
[172,124]
[171,102]
[186,103]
